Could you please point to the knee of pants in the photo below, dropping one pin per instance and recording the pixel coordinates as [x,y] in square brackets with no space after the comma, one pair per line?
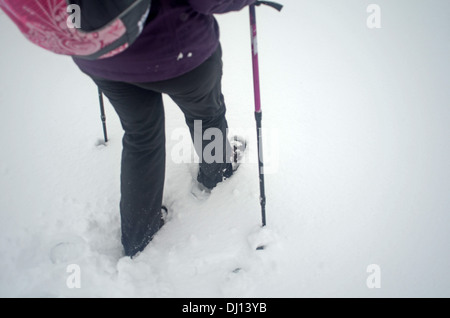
[145,139]
[206,106]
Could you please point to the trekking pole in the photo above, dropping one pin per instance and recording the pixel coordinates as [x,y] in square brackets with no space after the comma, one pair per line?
[257,93]
[102,113]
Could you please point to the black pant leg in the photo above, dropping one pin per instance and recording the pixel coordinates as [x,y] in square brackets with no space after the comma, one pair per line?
[141,113]
[199,95]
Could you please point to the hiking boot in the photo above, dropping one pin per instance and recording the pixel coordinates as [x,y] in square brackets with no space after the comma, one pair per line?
[238,146]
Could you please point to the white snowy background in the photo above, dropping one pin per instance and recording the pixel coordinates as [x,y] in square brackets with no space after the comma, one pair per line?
[356,132]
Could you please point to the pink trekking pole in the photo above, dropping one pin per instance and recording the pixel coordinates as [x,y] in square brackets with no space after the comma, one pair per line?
[257,93]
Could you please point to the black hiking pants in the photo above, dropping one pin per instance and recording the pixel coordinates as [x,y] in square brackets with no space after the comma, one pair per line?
[141,112]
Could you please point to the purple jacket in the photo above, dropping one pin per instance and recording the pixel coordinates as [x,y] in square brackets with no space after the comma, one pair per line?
[180,36]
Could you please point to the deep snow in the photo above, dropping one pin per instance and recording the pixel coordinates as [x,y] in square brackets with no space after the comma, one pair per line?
[356,131]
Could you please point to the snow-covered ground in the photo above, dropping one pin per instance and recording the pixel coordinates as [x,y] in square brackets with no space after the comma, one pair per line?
[356,132]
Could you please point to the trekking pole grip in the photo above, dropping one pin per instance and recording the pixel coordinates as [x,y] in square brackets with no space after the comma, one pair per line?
[275,5]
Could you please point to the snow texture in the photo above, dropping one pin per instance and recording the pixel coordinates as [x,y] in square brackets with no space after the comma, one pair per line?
[356,136]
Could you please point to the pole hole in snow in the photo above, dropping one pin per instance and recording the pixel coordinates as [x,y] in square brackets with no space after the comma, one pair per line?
[100,143]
